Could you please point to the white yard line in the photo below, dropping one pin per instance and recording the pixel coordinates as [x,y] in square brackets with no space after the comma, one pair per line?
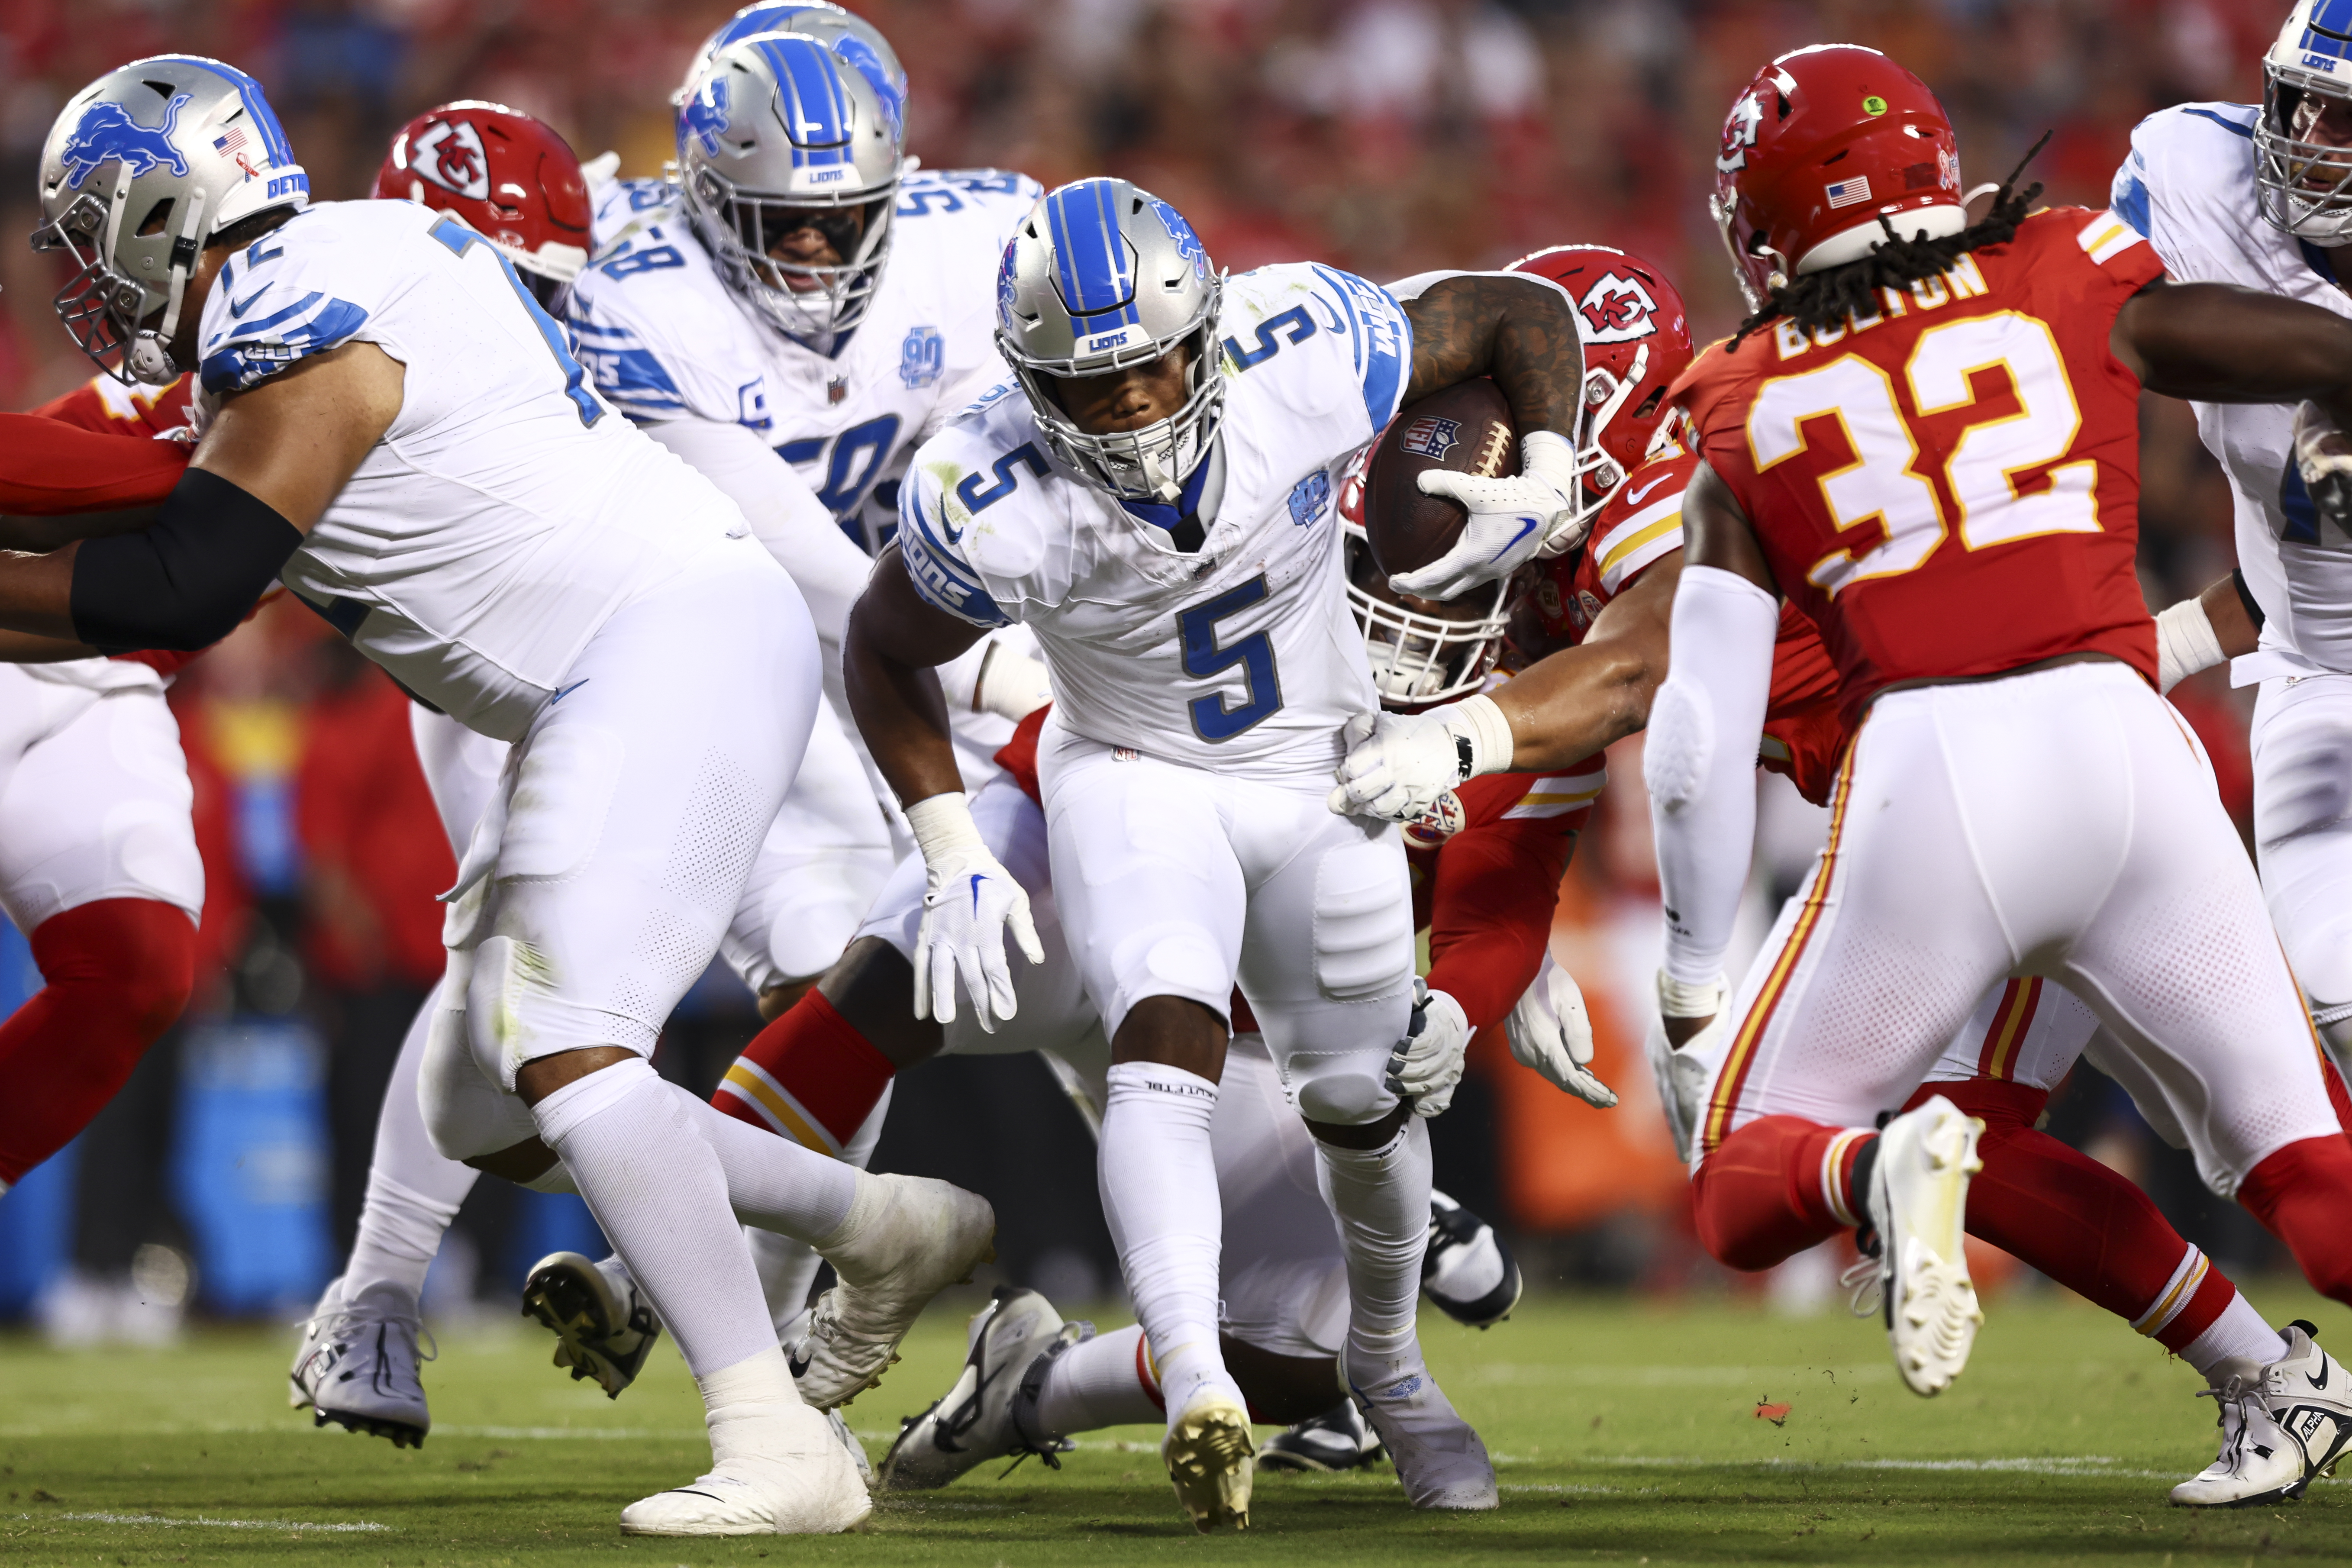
[306,1526]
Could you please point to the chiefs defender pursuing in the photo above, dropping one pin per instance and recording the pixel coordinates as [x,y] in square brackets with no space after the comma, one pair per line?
[1596,623]
[98,859]
[1929,445]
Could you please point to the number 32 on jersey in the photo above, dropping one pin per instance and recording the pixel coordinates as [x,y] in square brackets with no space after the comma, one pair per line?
[1881,484]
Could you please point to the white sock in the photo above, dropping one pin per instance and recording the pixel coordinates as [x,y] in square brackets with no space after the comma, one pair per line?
[412,1193]
[1105,1382]
[1381,1197]
[2238,1332]
[740,1404]
[656,1187]
[788,1267]
[1159,1193]
[772,1182]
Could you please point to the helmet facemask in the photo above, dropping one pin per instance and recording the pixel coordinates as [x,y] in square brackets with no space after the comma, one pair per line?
[2303,186]
[1150,463]
[1418,658]
[738,227]
[102,308]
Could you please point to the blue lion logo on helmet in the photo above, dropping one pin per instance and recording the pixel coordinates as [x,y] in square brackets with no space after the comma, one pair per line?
[704,116]
[1188,244]
[107,134]
[860,57]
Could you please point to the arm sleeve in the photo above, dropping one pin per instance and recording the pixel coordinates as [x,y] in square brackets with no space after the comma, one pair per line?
[784,513]
[1491,911]
[48,467]
[1700,762]
[186,581]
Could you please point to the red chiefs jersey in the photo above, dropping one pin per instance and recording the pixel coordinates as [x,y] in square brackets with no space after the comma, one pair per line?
[1951,487]
[1486,873]
[1804,730]
[67,456]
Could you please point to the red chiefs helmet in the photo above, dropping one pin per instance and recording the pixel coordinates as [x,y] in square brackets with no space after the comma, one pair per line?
[1823,143]
[507,175]
[1636,341]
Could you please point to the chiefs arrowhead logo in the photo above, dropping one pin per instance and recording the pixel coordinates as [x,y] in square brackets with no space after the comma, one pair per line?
[1618,310]
[1739,135]
[449,153]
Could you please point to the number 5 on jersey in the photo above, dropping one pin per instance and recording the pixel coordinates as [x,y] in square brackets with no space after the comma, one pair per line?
[1196,630]
[1881,486]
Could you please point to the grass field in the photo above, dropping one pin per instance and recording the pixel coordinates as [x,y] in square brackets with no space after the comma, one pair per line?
[1624,1431]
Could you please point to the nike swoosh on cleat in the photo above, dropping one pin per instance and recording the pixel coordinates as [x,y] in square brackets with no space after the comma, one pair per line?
[2319,1381]
[1633,498]
[1526,525]
[563,692]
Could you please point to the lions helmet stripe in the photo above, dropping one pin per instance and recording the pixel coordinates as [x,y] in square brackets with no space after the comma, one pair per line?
[256,106]
[1091,264]
[2329,29]
[816,112]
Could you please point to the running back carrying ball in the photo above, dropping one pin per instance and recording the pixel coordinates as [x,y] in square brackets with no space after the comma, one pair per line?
[1467,428]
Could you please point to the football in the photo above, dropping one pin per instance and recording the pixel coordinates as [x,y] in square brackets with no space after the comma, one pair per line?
[1467,428]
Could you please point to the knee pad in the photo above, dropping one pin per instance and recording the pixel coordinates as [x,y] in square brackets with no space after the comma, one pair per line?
[1363,922]
[504,973]
[1345,1090]
[466,1114]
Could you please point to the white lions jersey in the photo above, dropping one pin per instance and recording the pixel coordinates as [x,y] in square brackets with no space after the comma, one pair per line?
[669,340]
[2189,187]
[1240,657]
[509,510]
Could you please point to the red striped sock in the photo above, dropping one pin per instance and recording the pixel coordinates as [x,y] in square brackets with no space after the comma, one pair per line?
[810,1076]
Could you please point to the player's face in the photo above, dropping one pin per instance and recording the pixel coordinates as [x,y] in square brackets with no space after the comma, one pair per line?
[1126,399]
[797,237]
[2328,122]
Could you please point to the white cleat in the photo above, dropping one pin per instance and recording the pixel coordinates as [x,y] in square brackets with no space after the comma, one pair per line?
[604,1324]
[2282,1426]
[907,1238]
[808,1486]
[1211,1460]
[851,1446]
[1918,1198]
[1334,1441]
[1438,1456]
[1467,1272]
[356,1366]
[981,1417]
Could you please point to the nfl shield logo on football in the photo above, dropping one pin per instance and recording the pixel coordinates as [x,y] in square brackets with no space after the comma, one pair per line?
[1431,437]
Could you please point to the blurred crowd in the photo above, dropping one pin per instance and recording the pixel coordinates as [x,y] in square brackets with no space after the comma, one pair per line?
[1388,136]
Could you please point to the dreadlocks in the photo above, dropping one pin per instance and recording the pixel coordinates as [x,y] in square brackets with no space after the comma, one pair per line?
[1821,301]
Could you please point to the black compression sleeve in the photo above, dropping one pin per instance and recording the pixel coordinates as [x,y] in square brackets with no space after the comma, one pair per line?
[2246,597]
[186,581]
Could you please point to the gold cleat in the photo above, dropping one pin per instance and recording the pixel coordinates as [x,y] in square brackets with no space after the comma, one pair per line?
[1211,1460]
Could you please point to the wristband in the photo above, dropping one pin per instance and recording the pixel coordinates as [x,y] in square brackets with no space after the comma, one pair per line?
[942,823]
[1550,457]
[1684,999]
[1482,736]
[2185,643]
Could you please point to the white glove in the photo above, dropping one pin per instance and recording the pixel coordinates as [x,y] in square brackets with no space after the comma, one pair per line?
[1512,521]
[969,901]
[1683,1073]
[1551,1033]
[1427,1063]
[2323,455]
[1397,765]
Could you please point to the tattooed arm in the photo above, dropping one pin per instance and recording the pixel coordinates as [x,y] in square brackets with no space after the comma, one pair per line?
[1520,331]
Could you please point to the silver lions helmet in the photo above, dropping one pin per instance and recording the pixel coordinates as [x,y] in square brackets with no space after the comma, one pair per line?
[2302,184]
[846,33]
[778,133]
[1100,275]
[143,168]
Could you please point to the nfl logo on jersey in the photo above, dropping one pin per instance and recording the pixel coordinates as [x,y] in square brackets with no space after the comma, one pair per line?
[1431,437]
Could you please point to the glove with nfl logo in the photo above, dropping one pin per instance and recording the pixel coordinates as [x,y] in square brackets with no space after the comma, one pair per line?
[1427,1063]
[970,901]
[1399,765]
[1551,1033]
[1512,521]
